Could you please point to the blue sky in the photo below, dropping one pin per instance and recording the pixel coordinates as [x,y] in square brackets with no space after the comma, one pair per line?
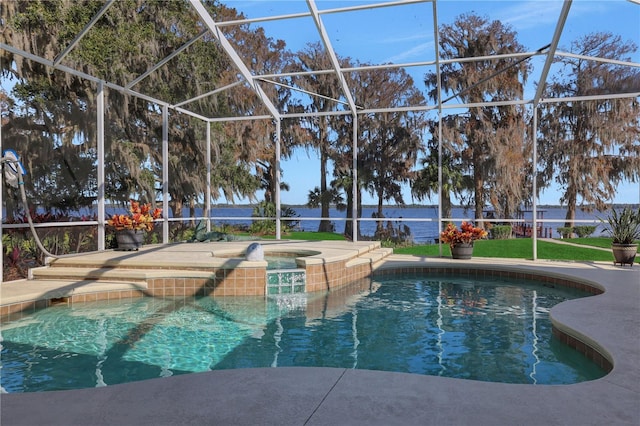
[404,34]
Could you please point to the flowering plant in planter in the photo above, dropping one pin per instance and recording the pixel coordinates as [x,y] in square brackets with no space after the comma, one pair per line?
[140,217]
[467,234]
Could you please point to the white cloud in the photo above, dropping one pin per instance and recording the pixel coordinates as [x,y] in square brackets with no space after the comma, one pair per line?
[414,52]
[530,14]
[535,13]
[403,39]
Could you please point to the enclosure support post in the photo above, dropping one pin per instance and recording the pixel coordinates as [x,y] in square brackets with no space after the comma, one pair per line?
[1,209]
[534,155]
[100,171]
[354,184]
[277,178]
[165,173]
[439,181]
[207,197]
[439,92]
[536,99]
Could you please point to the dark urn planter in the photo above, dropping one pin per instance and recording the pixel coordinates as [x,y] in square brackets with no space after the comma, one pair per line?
[624,254]
[129,239]
[462,251]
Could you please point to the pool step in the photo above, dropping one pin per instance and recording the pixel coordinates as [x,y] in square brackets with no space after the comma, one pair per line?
[137,276]
[112,274]
[59,290]
[370,257]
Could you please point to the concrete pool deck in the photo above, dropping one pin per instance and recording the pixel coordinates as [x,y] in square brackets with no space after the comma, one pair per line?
[331,396]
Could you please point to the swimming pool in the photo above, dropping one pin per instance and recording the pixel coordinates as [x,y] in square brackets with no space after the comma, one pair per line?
[489,330]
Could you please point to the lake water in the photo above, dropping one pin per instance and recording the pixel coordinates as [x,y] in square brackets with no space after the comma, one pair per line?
[422,221]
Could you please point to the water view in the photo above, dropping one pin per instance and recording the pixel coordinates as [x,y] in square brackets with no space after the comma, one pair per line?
[421,221]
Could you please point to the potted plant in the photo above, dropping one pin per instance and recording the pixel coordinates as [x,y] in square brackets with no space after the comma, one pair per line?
[624,229]
[130,228]
[461,240]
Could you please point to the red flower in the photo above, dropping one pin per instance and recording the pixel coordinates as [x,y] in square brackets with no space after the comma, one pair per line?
[140,217]
[467,234]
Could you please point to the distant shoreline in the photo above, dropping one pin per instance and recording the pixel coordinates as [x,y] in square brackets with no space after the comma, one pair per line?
[414,206]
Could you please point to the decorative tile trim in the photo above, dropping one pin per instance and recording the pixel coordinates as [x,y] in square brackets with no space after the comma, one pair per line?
[591,353]
[488,273]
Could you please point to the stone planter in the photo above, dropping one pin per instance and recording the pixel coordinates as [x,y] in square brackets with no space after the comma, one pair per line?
[129,239]
[462,251]
[624,254]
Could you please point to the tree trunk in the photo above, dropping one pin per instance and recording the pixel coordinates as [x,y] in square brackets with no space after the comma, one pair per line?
[348,224]
[446,204]
[325,225]
[192,208]
[571,208]
[478,197]
[177,208]
[380,214]
[359,213]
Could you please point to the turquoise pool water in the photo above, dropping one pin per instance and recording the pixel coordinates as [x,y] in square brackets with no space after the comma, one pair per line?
[452,327]
[281,262]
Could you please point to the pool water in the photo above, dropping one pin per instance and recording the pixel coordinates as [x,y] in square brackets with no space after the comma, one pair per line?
[281,262]
[453,327]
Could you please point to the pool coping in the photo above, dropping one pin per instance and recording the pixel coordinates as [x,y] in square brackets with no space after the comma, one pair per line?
[323,396]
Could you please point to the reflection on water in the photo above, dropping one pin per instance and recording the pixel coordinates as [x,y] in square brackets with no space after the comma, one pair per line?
[450,327]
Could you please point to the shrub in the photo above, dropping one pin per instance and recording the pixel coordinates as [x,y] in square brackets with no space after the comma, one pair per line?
[584,231]
[268,226]
[623,227]
[394,236]
[565,231]
[501,232]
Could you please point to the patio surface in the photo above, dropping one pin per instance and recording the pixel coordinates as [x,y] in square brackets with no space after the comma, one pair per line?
[331,396]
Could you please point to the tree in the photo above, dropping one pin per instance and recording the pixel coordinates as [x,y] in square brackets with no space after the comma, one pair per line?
[120,47]
[484,132]
[426,181]
[327,87]
[390,141]
[117,49]
[257,137]
[343,172]
[590,146]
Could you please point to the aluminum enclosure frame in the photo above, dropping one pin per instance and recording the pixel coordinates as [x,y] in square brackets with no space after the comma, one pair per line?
[255,82]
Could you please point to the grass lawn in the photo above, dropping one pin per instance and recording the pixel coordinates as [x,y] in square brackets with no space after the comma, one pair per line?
[516,248]
[591,241]
[520,248]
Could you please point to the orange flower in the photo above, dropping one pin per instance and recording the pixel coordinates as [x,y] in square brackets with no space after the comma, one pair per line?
[467,234]
[140,217]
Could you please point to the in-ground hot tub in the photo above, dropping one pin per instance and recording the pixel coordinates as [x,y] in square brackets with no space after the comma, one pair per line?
[275,259]
[285,271]
[327,265]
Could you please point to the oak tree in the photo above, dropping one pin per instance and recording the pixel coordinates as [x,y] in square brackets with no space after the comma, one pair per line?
[589,146]
[486,137]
